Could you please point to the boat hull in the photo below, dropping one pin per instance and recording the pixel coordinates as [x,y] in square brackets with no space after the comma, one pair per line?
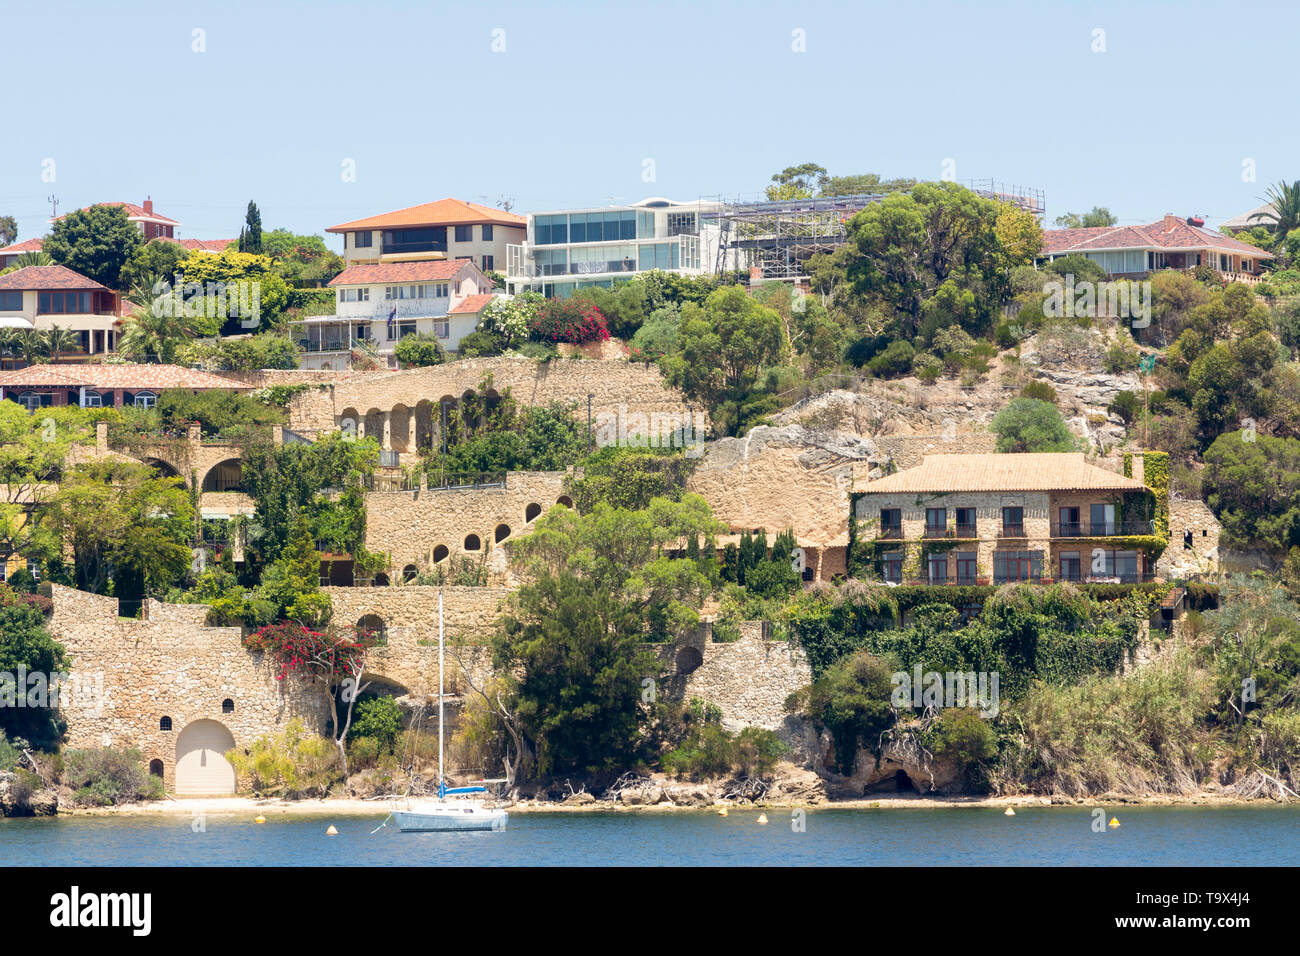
[449,820]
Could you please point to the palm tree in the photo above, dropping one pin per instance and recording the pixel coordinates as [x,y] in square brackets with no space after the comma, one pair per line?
[58,341]
[1283,212]
[158,327]
[33,258]
[30,344]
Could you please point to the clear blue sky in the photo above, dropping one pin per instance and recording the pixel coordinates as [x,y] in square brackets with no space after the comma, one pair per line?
[712,92]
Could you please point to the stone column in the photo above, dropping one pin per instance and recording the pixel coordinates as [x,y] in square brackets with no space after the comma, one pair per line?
[387,443]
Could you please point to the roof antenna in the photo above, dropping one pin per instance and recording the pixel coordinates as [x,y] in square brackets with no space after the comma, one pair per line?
[54,206]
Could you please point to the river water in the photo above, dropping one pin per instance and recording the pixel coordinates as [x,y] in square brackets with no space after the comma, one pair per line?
[1152,836]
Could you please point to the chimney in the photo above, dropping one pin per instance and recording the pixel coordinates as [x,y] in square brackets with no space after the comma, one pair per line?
[148,206]
[755,275]
[1138,466]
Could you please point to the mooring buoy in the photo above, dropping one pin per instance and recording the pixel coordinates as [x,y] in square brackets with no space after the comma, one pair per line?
[1009,812]
[331,831]
[762,819]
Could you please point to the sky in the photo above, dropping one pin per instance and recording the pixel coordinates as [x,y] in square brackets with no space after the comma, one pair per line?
[325,112]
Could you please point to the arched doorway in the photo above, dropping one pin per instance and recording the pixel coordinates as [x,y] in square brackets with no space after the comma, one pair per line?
[156,768]
[225,476]
[201,764]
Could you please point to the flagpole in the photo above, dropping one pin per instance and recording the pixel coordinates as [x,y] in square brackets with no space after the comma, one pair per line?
[442,789]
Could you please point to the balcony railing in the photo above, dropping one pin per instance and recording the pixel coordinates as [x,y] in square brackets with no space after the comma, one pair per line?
[891,533]
[398,248]
[1100,529]
[1012,531]
[932,531]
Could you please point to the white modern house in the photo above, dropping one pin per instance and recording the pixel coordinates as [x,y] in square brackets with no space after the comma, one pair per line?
[49,297]
[566,250]
[378,305]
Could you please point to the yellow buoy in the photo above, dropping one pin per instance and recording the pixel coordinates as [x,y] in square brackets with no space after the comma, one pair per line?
[259,819]
[331,831]
[1009,812]
[1114,822]
[722,812]
[762,818]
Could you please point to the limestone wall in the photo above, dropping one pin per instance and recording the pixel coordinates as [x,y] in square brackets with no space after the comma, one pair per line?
[1193,540]
[411,525]
[171,664]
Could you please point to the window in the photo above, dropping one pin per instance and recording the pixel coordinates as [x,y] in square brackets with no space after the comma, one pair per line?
[11,301]
[164,723]
[891,566]
[442,330]
[433,239]
[363,240]
[645,225]
[34,400]
[145,400]
[1102,518]
[1017,566]
[966,567]
[437,290]
[1071,568]
[464,233]
[1187,541]
[4,568]
[891,522]
[938,565]
[487,233]
[227,706]
[93,400]
[34,568]
[936,522]
[472,542]
[409,573]
[404,329]
[1013,522]
[1068,525]
[965,522]
[489,263]
[354,295]
[62,303]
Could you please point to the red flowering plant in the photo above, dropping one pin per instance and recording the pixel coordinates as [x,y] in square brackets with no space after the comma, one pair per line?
[339,660]
[569,320]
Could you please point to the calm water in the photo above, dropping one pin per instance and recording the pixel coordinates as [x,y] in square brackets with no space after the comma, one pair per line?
[1043,836]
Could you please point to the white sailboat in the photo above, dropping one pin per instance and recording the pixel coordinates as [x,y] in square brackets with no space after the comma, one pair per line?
[422,816]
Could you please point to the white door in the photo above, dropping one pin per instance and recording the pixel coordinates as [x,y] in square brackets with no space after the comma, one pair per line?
[201,764]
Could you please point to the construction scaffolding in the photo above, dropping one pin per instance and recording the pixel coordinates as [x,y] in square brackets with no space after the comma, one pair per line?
[779,236]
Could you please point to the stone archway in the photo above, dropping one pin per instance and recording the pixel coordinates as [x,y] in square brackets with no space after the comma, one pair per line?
[201,764]
[227,475]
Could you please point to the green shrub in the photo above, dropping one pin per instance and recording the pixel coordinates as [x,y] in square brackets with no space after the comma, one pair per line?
[1040,390]
[378,718]
[480,345]
[293,763]
[102,776]
[894,360]
[419,351]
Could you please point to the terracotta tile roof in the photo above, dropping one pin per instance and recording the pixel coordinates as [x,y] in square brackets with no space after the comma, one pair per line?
[1169,233]
[132,212]
[47,277]
[27,245]
[206,245]
[472,304]
[425,270]
[129,377]
[444,212]
[1042,471]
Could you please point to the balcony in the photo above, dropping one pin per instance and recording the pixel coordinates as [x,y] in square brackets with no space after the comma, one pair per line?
[932,532]
[1100,529]
[1012,531]
[401,248]
[891,533]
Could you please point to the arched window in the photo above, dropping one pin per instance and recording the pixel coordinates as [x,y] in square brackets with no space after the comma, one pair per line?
[501,533]
[165,723]
[381,580]
[409,573]
[439,553]
[227,706]
[532,511]
[93,400]
[372,625]
[145,399]
[472,542]
[564,500]
[156,768]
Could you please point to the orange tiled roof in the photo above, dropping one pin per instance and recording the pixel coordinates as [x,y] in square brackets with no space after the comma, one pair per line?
[132,212]
[1169,233]
[425,270]
[1038,471]
[27,245]
[471,304]
[206,245]
[444,212]
[115,376]
[47,277]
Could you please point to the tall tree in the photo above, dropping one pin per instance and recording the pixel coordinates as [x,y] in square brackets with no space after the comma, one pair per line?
[252,235]
[1283,214]
[1097,216]
[97,242]
[8,230]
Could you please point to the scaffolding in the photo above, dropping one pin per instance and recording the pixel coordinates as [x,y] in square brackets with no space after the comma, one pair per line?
[778,237]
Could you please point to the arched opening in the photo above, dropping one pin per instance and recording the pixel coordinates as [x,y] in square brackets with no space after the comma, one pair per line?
[164,723]
[156,767]
[165,469]
[374,425]
[688,659]
[373,626]
[425,420]
[531,512]
[381,580]
[350,422]
[564,500]
[501,533]
[440,553]
[227,706]
[144,399]
[399,428]
[410,573]
[201,764]
[472,542]
[225,476]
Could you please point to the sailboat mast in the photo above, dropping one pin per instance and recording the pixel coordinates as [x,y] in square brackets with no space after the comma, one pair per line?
[441,786]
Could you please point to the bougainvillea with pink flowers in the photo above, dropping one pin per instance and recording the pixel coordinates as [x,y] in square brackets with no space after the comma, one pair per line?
[569,320]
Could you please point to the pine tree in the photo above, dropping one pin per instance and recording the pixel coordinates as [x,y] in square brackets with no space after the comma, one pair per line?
[253,229]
